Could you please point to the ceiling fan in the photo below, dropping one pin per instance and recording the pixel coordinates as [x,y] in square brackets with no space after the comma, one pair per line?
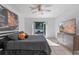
[40,8]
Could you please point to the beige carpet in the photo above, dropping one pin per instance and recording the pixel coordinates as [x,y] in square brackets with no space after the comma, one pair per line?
[57,49]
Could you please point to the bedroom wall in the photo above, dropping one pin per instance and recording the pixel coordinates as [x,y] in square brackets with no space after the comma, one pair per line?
[25,23]
[68,14]
[28,27]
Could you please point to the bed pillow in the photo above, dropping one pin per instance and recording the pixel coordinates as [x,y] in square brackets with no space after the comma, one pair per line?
[13,36]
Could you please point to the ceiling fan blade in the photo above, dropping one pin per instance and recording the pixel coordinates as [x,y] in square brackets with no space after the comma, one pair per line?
[48,10]
[35,6]
[47,5]
[34,11]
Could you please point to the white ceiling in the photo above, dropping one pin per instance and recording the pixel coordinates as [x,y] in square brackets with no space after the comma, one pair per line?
[57,10]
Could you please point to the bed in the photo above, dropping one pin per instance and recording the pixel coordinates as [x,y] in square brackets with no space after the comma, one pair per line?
[34,45]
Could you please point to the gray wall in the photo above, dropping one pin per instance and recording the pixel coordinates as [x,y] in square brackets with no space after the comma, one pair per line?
[64,18]
[69,12]
[50,25]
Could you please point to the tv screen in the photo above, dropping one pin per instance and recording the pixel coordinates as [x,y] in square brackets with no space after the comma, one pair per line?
[8,20]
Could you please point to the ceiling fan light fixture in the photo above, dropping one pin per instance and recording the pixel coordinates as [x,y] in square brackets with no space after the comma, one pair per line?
[40,8]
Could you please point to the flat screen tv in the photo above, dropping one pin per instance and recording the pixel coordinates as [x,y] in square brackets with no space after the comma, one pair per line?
[8,20]
[69,26]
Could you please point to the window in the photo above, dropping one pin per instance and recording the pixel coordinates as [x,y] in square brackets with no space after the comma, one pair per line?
[39,28]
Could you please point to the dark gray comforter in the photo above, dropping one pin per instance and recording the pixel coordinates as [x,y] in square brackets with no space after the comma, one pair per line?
[35,42]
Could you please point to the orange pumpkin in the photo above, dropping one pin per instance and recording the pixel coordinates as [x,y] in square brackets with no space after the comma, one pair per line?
[21,36]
